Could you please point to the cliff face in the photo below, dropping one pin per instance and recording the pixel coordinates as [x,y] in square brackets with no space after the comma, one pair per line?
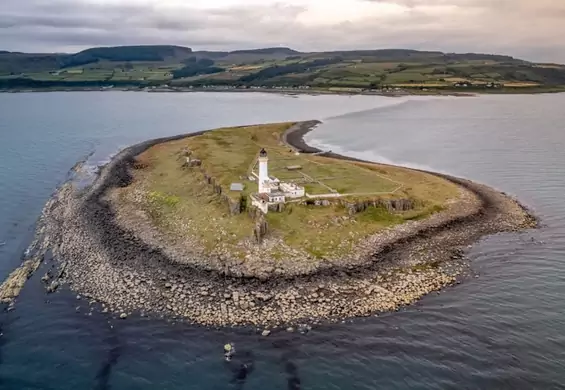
[391,205]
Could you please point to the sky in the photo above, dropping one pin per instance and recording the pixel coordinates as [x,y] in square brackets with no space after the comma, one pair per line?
[528,29]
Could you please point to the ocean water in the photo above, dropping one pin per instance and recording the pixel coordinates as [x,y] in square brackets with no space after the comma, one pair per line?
[502,329]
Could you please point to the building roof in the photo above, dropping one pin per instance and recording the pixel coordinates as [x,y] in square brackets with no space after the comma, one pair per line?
[263,197]
[276,193]
[292,186]
[236,187]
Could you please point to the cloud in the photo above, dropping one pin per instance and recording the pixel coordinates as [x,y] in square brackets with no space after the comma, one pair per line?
[529,29]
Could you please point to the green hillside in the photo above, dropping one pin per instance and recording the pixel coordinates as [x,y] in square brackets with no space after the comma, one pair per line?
[354,71]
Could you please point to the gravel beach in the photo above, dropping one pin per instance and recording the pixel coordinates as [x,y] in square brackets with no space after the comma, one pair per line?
[103,255]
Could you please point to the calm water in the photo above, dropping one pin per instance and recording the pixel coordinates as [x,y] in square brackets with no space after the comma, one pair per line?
[501,330]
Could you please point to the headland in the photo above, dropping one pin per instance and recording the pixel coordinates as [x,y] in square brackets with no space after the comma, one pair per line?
[161,230]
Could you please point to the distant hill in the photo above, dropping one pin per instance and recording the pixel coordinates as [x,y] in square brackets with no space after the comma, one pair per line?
[21,62]
[11,62]
[127,53]
[157,65]
[270,50]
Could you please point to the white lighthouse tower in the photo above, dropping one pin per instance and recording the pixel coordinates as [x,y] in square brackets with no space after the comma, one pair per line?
[264,179]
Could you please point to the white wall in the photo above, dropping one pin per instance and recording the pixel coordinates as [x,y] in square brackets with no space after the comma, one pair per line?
[263,174]
[263,206]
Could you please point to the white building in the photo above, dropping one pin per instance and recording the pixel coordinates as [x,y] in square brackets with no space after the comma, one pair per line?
[292,190]
[262,201]
[271,189]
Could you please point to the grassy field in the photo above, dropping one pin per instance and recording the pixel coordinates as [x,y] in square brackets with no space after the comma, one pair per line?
[180,202]
[280,67]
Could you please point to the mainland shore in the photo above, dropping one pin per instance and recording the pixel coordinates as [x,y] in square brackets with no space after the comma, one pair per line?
[99,254]
[456,92]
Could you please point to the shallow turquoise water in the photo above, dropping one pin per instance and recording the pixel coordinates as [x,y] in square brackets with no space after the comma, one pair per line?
[500,330]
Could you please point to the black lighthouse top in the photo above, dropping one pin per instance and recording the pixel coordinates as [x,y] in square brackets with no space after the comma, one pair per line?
[263,153]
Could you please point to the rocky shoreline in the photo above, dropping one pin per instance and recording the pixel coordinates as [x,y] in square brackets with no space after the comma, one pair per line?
[102,259]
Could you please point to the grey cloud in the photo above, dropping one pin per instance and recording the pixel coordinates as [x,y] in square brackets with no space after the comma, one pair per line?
[527,28]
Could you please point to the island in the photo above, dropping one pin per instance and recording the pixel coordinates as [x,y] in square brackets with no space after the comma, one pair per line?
[251,226]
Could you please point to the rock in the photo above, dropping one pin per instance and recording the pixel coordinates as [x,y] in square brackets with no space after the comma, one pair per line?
[46,277]
[168,285]
[235,296]
[53,286]
[304,328]
[290,329]
[265,333]
[78,297]
[123,316]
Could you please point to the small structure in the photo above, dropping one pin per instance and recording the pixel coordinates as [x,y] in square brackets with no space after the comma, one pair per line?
[294,167]
[276,197]
[192,162]
[236,187]
[261,201]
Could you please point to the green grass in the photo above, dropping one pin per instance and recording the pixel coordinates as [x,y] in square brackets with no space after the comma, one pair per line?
[159,199]
[380,216]
[405,76]
[315,189]
[181,203]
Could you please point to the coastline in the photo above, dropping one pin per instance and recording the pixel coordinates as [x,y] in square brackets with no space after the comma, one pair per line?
[284,91]
[103,260]
[296,92]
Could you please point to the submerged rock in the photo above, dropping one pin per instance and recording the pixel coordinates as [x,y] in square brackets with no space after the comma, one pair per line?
[53,287]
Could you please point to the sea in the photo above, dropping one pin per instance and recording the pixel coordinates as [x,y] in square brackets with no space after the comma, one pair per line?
[502,328]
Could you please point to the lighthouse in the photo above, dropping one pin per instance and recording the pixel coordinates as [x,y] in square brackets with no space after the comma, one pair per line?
[264,179]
